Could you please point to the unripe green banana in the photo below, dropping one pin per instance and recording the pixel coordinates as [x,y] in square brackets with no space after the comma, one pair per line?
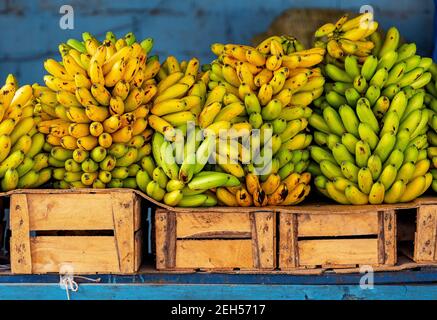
[351,66]
[352,96]
[349,119]
[108,164]
[37,145]
[365,114]
[25,166]
[390,123]
[360,84]
[80,155]
[385,146]
[388,176]
[341,154]
[406,50]
[193,200]
[372,94]
[129,158]
[98,154]
[28,180]
[388,60]
[61,154]
[10,180]
[142,179]
[350,141]
[89,166]
[362,153]
[350,171]
[379,78]
[340,88]
[330,169]
[395,74]
[368,135]
[337,74]
[11,162]
[390,91]
[396,159]
[365,180]
[402,139]
[115,183]
[333,120]
[406,172]
[391,41]
[369,67]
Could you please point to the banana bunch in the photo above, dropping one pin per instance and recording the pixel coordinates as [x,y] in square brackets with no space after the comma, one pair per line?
[371,127]
[181,93]
[431,102]
[355,37]
[23,162]
[94,108]
[178,174]
[262,96]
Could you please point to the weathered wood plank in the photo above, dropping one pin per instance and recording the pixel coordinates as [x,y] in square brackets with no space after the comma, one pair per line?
[165,239]
[287,240]
[210,224]
[390,241]
[426,233]
[70,212]
[75,254]
[123,213]
[313,225]
[335,252]
[220,254]
[21,259]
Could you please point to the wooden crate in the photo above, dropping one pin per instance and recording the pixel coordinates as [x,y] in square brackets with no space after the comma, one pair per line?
[79,231]
[215,239]
[335,236]
[425,238]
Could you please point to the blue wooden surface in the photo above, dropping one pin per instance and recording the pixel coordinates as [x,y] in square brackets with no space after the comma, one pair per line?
[31,33]
[417,285]
[217,292]
[424,276]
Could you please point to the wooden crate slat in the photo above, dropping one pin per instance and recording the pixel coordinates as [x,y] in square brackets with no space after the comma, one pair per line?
[165,239]
[122,209]
[426,233]
[313,225]
[214,254]
[21,259]
[81,254]
[263,244]
[335,252]
[288,253]
[390,234]
[213,225]
[70,212]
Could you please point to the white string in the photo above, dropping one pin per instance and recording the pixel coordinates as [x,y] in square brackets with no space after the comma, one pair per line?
[67,281]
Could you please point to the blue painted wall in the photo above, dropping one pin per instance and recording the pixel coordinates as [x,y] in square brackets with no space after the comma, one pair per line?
[31,33]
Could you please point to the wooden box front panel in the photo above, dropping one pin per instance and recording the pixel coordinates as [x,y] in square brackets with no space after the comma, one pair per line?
[83,248]
[215,239]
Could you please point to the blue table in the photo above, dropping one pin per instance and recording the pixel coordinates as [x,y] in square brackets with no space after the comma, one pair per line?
[411,284]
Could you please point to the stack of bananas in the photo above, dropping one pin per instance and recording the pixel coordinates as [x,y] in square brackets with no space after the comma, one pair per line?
[23,163]
[171,174]
[268,88]
[94,110]
[431,102]
[355,37]
[371,127]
